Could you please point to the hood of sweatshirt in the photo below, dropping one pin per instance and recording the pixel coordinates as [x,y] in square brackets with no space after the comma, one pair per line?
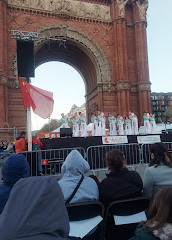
[15,167]
[75,165]
[34,209]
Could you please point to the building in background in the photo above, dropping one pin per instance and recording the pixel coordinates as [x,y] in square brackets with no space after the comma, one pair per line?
[75,111]
[160,102]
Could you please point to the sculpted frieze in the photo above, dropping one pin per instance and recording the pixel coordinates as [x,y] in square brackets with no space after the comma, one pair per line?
[70,7]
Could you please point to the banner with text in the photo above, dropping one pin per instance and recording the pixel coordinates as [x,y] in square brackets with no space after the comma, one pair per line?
[148,139]
[114,139]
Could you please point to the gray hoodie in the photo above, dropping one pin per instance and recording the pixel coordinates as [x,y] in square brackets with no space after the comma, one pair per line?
[72,169]
[35,211]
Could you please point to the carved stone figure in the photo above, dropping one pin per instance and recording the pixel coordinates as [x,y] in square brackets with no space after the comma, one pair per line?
[121,6]
[142,9]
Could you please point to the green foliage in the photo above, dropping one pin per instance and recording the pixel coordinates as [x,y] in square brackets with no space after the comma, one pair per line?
[52,125]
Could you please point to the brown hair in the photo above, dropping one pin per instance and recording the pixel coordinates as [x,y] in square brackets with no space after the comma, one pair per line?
[115,160]
[160,211]
[161,155]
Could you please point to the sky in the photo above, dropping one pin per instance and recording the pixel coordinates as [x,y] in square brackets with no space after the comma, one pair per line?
[67,84]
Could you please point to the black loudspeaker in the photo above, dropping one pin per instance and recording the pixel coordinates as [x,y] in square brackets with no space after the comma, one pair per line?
[65,132]
[25,58]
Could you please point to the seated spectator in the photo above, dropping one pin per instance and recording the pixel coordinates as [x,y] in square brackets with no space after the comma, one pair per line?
[20,143]
[159,173]
[120,182]
[74,167]
[159,223]
[14,168]
[35,211]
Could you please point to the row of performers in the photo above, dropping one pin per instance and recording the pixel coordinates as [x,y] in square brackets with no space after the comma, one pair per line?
[149,123]
[127,126]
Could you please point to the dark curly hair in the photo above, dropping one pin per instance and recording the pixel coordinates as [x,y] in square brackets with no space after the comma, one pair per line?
[161,155]
[115,160]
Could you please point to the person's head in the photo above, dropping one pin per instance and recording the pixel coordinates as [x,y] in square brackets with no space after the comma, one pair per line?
[80,113]
[144,113]
[115,160]
[150,114]
[15,167]
[159,154]
[23,134]
[118,115]
[62,115]
[129,112]
[74,117]
[126,118]
[161,209]
[35,208]
[98,112]
[74,164]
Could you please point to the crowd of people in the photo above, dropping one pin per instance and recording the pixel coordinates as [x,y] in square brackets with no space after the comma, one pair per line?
[117,125]
[34,207]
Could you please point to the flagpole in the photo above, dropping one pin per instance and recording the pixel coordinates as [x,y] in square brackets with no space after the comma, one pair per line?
[29,131]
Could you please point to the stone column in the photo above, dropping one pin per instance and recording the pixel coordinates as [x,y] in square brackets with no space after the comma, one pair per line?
[142,57]
[121,57]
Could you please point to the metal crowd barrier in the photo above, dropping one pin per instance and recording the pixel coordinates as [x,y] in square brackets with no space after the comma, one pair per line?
[145,151]
[96,155]
[52,160]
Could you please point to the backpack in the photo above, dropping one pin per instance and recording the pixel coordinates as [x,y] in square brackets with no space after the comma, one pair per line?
[35,147]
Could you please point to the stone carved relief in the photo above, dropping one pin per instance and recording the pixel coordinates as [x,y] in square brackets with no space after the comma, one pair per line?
[121,7]
[70,7]
[103,67]
[142,9]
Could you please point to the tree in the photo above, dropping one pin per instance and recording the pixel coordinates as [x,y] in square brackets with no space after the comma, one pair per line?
[52,125]
[168,113]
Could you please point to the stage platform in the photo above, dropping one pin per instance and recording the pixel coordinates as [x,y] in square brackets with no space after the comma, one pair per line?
[85,142]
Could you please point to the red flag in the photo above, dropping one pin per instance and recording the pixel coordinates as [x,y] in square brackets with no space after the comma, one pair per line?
[44,162]
[40,100]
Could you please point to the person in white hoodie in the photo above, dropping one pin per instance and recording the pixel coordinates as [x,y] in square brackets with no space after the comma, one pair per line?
[74,167]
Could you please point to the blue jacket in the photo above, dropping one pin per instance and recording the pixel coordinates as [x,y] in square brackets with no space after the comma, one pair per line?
[14,168]
[72,169]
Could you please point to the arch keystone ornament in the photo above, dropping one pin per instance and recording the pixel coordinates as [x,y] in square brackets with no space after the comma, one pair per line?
[105,42]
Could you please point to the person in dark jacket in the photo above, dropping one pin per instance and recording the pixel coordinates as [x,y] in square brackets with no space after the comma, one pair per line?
[35,211]
[120,182]
[20,143]
[14,168]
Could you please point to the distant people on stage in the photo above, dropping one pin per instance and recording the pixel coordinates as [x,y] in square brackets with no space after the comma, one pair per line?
[128,130]
[112,125]
[83,124]
[75,123]
[152,124]
[64,121]
[20,143]
[73,170]
[94,126]
[134,123]
[120,124]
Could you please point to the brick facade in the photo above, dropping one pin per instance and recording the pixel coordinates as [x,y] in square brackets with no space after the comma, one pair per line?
[106,42]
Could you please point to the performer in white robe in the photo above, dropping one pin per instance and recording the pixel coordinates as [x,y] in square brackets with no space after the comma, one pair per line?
[94,125]
[64,121]
[83,125]
[134,123]
[120,123]
[112,125]
[128,126]
[99,130]
[152,124]
[146,123]
[103,124]
[75,127]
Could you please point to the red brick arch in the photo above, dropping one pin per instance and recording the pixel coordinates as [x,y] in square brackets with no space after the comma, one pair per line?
[106,42]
